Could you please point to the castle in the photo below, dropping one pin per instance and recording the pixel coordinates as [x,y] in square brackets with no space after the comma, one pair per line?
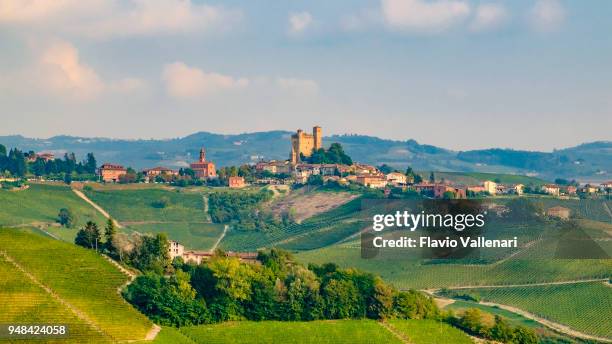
[303,143]
[203,169]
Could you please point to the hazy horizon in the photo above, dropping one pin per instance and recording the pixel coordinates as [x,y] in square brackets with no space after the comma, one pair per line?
[459,74]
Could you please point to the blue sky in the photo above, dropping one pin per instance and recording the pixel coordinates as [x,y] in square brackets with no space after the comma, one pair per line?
[461,74]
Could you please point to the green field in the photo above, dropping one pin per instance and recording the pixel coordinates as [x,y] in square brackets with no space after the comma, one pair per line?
[327,331]
[137,205]
[429,332]
[41,204]
[582,306]
[23,302]
[197,236]
[80,277]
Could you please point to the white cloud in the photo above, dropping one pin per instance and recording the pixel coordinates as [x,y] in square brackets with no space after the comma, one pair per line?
[102,19]
[299,22]
[424,16]
[547,15]
[59,71]
[62,72]
[183,81]
[299,87]
[488,17]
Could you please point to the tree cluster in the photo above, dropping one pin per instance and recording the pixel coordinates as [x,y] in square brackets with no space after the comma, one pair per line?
[244,210]
[501,331]
[274,288]
[334,155]
[20,164]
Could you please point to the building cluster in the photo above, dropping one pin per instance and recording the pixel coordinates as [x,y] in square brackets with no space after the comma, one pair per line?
[175,249]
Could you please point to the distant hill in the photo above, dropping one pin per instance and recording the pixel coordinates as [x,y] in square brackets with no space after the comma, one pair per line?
[589,161]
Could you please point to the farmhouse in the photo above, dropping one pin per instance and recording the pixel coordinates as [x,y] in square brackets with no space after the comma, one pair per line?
[274,167]
[203,169]
[303,143]
[490,187]
[236,182]
[156,171]
[440,191]
[111,172]
[372,181]
[178,250]
[560,212]
[551,189]
[396,179]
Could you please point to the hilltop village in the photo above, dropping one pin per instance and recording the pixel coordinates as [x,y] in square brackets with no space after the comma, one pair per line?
[309,163]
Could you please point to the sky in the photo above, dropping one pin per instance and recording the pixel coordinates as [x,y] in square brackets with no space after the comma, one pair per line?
[460,74]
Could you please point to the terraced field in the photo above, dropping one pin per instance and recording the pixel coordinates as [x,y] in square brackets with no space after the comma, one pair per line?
[41,204]
[586,307]
[78,277]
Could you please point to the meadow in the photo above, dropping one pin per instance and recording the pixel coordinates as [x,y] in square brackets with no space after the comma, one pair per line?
[41,204]
[428,332]
[197,236]
[150,205]
[78,276]
[582,306]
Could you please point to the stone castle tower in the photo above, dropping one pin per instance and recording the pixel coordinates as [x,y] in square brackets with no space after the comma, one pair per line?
[303,143]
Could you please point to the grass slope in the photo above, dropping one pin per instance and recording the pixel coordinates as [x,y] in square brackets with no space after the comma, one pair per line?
[198,236]
[79,276]
[582,306]
[429,332]
[137,205]
[315,332]
[23,302]
[41,203]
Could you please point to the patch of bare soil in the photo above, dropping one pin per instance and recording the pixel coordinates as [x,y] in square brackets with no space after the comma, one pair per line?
[308,204]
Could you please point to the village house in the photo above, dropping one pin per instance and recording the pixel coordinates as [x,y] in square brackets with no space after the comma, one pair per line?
[372,181]
[111,173]
[589,189]
[236,182]
[274,167]
[559,212]
[441,189]
[156,171]
[176,249]
[606,185]
[424,187]
[490,187]
[571,190]
[551,189]
[203,169]
[396,179]
[476,189]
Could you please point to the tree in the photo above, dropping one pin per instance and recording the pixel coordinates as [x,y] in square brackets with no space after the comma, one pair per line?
[89,236]
[432,177]
[418,179]
[2,151]
[386,169]
[90,163]
[110,231]
[341,299]
[66,217]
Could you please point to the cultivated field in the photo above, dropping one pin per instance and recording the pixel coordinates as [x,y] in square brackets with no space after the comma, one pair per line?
[329,331]
[41,203]
[586,307]
[80,280]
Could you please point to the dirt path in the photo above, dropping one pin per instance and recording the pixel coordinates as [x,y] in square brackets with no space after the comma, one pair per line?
[402,338]
[55,296]
[225,229]
[205,202]
[553,325]
[97,207]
